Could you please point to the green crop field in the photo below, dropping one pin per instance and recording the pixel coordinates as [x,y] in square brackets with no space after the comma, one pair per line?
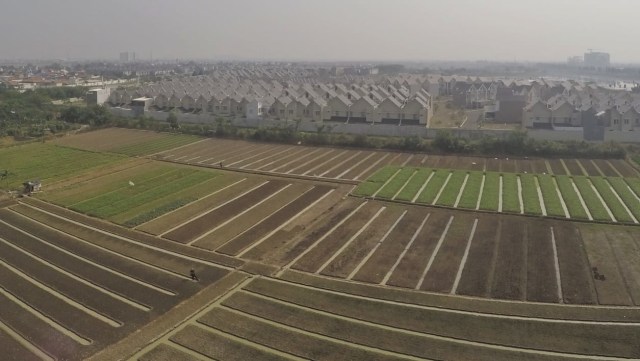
[591,199]
[634,184]
[490,193]
[471,191]
[550,195]
[47,162]
[510,201]
[396,183]
[617,208]
[452,189]
[118,203]
[627,195]
[571,199]
[377,180]
[137,194]
[413,187]
[164,173]
[433,187]
[530,194]
[537,190]
[79,192]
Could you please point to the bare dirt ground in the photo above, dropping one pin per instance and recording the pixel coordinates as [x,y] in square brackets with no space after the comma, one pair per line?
[117,138]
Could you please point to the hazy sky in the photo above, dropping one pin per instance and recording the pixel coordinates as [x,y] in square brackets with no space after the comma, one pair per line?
[537,30]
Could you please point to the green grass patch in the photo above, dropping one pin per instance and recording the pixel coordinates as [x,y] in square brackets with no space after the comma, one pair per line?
[452,189]
[490,193]
[626,194]
[373,183]
[530,194]
[82,192]
[536,189]
[510,200]
[413,187]
[186,180]
[550,197]
[634,183]
[571,199]
[157,212]
[125,190]
[435,184]
[47,162]
[195,191]
[618,210]
[471,191]
[394,185]
[596,207]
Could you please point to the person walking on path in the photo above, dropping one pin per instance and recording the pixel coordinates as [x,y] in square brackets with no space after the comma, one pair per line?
[193,275]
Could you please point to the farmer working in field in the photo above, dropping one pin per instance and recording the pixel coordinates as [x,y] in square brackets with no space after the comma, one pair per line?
[193,275]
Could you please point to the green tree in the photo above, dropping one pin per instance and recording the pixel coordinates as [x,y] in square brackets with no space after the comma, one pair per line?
[172,119]
[413,142]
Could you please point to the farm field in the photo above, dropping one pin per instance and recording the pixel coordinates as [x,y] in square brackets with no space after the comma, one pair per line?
[482,255]
[136,195]
[609,199]
[320,162]
[306,317]
[437,257]
[38,161]
[69,290]
[127,142]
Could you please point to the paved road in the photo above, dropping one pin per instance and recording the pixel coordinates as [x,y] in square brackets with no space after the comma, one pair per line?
[473,116]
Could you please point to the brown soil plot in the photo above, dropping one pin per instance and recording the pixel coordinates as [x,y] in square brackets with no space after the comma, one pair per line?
[611,290]
[375,269]
[575,272]
[278,247]
[442,273]
[510,273]
[556,167]
[349,259]
[246,221]
[541,275]
[574,168]
[320,254]
[211,219]
[261,229]
[476,275]
[408,272]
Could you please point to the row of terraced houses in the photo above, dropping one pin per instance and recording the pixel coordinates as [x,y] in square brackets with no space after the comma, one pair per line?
[385,102]
[594,108]
[405,99]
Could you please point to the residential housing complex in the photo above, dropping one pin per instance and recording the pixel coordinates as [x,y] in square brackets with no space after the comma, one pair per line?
[556,105]
[250,94]
[256,94]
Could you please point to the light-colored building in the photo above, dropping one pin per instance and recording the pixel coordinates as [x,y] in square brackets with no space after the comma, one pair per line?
[360,100]
[97,96]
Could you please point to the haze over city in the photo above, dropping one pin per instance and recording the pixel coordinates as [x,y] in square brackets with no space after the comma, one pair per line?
[502,30]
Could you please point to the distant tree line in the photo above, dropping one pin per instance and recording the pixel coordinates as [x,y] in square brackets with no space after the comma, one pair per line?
[31,113]
[516,143]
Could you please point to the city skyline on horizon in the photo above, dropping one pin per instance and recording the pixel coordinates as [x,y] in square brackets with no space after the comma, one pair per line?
[332,30]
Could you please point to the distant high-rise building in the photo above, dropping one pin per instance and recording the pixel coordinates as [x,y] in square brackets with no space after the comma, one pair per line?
[133,56]
[124,57]
[596,59]
[575,60]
